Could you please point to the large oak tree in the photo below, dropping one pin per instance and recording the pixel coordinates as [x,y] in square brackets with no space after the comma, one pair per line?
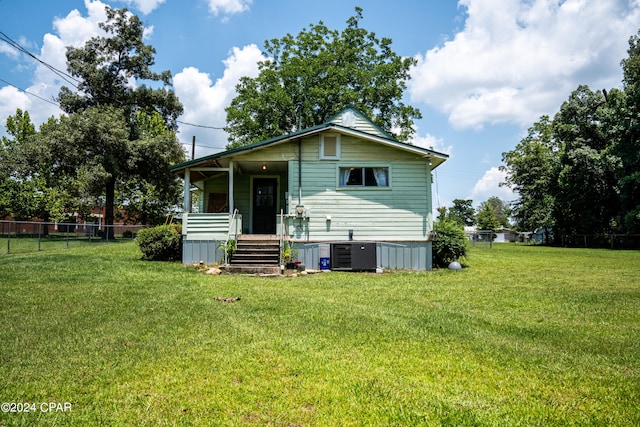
[309,77]
[113,71]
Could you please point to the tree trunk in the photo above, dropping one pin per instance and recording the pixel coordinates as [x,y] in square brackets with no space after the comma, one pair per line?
[110,191]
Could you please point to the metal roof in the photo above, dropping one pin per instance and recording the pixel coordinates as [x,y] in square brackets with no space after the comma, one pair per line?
[302,133]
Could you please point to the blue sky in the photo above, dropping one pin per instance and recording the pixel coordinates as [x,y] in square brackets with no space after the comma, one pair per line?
[487,69]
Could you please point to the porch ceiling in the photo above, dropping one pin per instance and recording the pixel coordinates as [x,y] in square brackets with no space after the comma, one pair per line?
[266,167]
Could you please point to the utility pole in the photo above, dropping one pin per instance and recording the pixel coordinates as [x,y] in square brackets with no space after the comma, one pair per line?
[193,148]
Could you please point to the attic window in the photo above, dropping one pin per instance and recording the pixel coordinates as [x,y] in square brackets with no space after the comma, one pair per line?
[330,147]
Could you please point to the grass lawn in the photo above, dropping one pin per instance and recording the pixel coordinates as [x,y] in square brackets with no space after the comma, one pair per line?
[524,336]
[16,245]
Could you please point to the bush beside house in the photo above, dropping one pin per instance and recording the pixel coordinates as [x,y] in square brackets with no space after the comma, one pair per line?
[161,243]
[451,243]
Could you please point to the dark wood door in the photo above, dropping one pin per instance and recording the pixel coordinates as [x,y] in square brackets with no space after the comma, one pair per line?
[265,196]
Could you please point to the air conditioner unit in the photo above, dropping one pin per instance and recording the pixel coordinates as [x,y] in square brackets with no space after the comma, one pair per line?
[353,256]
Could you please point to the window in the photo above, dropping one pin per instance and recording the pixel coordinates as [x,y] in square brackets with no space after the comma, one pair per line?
[330,147]
[364,177]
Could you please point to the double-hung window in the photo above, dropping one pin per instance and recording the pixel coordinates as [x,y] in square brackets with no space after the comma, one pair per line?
[364,177]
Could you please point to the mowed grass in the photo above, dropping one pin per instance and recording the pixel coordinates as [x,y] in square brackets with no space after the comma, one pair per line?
[18,245]
[527,336]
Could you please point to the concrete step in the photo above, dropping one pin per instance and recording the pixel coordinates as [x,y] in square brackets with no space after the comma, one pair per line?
[254,269]
[253,259]
[256,254]
[265,237]
[257,248]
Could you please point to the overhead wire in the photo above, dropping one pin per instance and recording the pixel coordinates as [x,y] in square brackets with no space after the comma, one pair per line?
[62,74]
[58,105]
[30,93]
[66,77]
[200,126]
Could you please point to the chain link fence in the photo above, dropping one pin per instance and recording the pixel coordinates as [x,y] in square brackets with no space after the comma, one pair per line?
[481,238]
[608,241]
[486,239]
[28,236]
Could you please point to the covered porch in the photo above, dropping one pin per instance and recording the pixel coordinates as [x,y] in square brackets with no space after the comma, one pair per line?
[225,199]
[255,190]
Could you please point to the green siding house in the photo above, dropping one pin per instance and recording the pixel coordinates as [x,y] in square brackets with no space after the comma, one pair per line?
[343,180]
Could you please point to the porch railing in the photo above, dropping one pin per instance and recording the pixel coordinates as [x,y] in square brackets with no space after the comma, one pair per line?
[281,233]
[233,225]
[209,226]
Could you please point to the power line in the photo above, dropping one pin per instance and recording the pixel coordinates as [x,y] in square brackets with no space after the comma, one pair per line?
[63,75]
[199,126]
[29,93]
[203,146]
[66,77]
[58,105]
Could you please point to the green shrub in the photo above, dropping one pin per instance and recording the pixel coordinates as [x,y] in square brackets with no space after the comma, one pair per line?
[450,243]
[161,243]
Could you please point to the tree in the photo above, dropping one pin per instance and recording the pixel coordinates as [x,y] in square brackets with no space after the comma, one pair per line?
[13,167]
[579,173]
[147,196]
[627,148]
[310,77]
[93,148]
[462,212]
[586,199]
[106,67]
[532,171]
[493,214]
[486,218]
[32,184]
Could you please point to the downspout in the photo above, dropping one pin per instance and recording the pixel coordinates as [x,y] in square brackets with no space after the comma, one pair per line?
[299,172]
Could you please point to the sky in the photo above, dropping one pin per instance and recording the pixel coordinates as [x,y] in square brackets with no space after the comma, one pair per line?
[486,69]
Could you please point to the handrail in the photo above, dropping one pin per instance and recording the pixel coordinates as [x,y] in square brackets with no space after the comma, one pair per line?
[281,235]
[226,242]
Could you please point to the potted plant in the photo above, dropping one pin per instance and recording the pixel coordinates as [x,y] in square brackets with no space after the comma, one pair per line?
[289,255]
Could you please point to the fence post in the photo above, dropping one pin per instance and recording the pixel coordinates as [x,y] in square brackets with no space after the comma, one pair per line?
[39,228]
[9,239]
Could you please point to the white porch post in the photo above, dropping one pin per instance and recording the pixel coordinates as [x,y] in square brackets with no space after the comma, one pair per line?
[187,192]
[231,205]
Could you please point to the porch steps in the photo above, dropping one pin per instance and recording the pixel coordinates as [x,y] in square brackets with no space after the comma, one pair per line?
[256,253]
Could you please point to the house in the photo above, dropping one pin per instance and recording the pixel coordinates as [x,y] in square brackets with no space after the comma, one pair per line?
[505,235]
[345,180]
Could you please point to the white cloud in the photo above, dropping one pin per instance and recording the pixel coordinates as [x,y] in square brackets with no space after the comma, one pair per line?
[147,32]
[229,7]
[488,186]
[74,29]
[145,6]
[204,101]
[516,60]
[431,142]
[10,100]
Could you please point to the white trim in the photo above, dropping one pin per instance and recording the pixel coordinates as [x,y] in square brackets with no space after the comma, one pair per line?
[187,191]
[364,165]
[252,178]
[322,155]
[230,181]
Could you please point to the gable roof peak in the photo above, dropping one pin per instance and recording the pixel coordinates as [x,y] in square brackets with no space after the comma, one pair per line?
[352,117]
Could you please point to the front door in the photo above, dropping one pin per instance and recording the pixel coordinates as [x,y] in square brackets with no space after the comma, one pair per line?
[265,196]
